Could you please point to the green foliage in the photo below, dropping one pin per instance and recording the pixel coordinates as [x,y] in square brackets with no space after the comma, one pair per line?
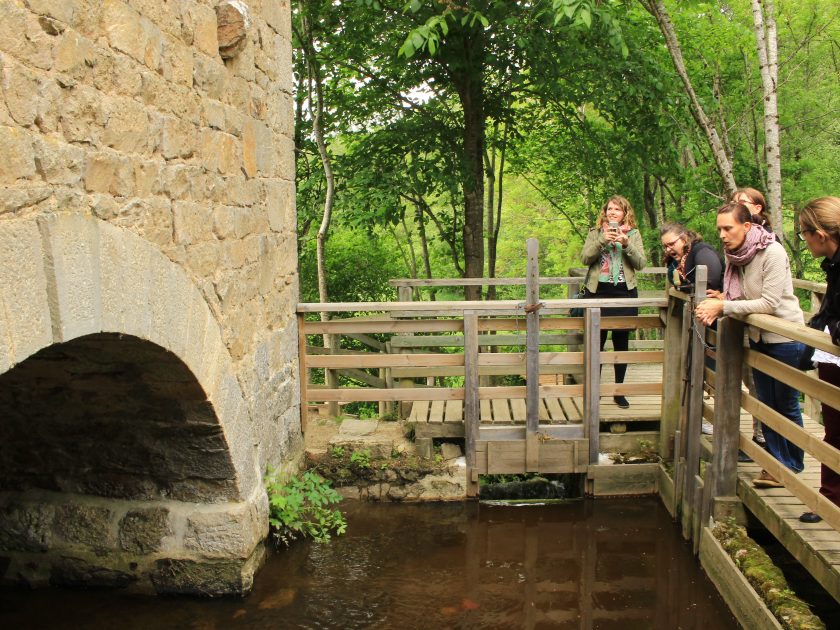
[298,507]
[361,459]
[336,452]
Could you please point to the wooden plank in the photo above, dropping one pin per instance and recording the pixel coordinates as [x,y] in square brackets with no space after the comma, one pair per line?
[623,479]
[519,410]
[471,401]
[454,411]
[803,381]
[544,415]
[570,410]
[672,367]
[510,307]
[486,410]
[532,358]
[797,332]
[419,411]
[365,394]
[457,341]
[501,411]
[436,411]
[444,430]
[371,360]
[747,606]
[487,282]
[592,383]
[510,433]
[303,373]
[555,410]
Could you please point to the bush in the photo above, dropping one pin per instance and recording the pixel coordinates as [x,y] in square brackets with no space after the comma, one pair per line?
[298,507]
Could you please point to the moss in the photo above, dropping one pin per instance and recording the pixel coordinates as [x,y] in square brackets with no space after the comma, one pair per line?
[343,468]
[765,577]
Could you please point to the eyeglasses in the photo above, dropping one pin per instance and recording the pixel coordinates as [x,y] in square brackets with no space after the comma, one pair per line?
[801,233]
[672,243]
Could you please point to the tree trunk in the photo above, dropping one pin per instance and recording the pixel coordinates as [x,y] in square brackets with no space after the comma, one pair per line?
[424,245]
[722,161]
[764,22]
[469,82]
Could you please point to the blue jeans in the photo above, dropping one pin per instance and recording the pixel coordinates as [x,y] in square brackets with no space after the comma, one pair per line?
[781,397]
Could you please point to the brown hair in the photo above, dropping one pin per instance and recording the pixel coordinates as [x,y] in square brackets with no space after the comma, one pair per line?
[755,196]
[822,214]
[621,202]
[739,211]
[680,230]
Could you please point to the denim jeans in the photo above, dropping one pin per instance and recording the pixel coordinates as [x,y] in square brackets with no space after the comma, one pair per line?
[781,397]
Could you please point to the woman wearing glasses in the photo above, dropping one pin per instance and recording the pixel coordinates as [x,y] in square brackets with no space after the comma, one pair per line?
[758,280]
[685,251]
[819,227]
[614,252]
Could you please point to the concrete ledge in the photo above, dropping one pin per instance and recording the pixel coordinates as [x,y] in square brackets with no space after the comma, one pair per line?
[749,609]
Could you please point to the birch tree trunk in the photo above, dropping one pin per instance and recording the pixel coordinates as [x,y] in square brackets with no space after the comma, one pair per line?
[764,22]
[722,160]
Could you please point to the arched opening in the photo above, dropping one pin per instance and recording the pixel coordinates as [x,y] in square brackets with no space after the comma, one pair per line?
[114,416]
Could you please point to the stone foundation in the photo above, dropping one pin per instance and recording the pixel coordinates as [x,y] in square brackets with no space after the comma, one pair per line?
[165,547]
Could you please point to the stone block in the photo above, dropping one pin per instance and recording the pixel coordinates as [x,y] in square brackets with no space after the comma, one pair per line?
[177,65]
[203,579]
[124,28]
[192,222]
[204,29]
[142,531]
[209,77]
[129,128]
[450,451]
[219,152]
[73,54]
[73,244]
[84,524]
[60,10]
[214,114]
[179,139]
[24,290]
[75,572]
[19,84]
[232,24]
[19,157]
[232,533]
[82,115]
[59,163]
[107,172]
[148,177]
[13,19]
[25,527]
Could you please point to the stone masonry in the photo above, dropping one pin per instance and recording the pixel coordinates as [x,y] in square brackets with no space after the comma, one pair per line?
[148,341]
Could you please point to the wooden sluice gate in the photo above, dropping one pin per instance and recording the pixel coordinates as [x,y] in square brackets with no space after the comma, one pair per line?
[439,365]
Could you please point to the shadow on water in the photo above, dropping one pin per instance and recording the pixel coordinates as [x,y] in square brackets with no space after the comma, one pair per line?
[591,564]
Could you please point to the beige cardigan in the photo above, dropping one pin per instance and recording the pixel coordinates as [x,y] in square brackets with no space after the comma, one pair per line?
[633,257]
[768,288]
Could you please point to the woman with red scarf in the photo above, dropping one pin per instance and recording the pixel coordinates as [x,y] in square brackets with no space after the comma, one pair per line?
[614,251]
[758,280]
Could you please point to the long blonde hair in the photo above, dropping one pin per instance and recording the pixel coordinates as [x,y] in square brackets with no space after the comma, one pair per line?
[621,202]
[822,213]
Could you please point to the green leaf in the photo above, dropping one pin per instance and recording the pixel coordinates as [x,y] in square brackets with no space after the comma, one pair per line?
[484,21]
[586,16]
[432,46]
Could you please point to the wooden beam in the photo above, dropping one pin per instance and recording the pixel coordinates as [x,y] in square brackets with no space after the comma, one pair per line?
[472,412]
[502,307]
[592,381]
[532,359]
[303,375]
[797,332]
[672,371]
[805,383]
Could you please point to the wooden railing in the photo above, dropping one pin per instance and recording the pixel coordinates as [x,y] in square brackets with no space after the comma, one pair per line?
[687,346]
[459,331]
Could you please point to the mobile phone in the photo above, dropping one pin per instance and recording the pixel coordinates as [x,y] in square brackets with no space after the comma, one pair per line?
[613,226]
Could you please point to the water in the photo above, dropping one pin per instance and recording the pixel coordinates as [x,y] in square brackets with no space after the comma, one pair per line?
[594,564]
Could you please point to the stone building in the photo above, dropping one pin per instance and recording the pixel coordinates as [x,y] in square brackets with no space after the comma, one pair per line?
[148,341]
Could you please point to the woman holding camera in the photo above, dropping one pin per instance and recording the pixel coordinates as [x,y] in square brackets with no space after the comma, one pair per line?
[614,252]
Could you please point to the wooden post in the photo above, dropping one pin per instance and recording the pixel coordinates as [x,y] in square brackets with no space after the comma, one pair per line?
[730,357]
[694,416]
[303,376]
[681,435]
[532,360]
[472,412]
[404,294]
[592,380]
[672,370]
[331,376]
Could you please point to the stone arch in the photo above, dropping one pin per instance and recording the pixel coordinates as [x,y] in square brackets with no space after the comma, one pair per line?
[66,277]
[86,304]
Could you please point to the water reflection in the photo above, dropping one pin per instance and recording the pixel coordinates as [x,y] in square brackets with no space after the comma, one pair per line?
[603,564]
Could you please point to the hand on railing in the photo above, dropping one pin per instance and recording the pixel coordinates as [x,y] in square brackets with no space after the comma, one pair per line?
[533,308]
[709,310]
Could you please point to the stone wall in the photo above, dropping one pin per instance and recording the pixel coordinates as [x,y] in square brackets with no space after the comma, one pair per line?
[147,189]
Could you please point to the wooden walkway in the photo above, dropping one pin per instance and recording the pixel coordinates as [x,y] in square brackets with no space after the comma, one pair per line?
[553,411]
[815,545]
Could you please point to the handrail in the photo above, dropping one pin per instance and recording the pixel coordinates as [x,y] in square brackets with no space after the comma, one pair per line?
[810,285]
[495,282]
[500,307]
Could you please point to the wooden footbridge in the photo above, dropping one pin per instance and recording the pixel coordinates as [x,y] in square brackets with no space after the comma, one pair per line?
[456,370]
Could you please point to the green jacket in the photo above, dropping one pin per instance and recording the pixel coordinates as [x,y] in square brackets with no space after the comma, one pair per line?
[633,257]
